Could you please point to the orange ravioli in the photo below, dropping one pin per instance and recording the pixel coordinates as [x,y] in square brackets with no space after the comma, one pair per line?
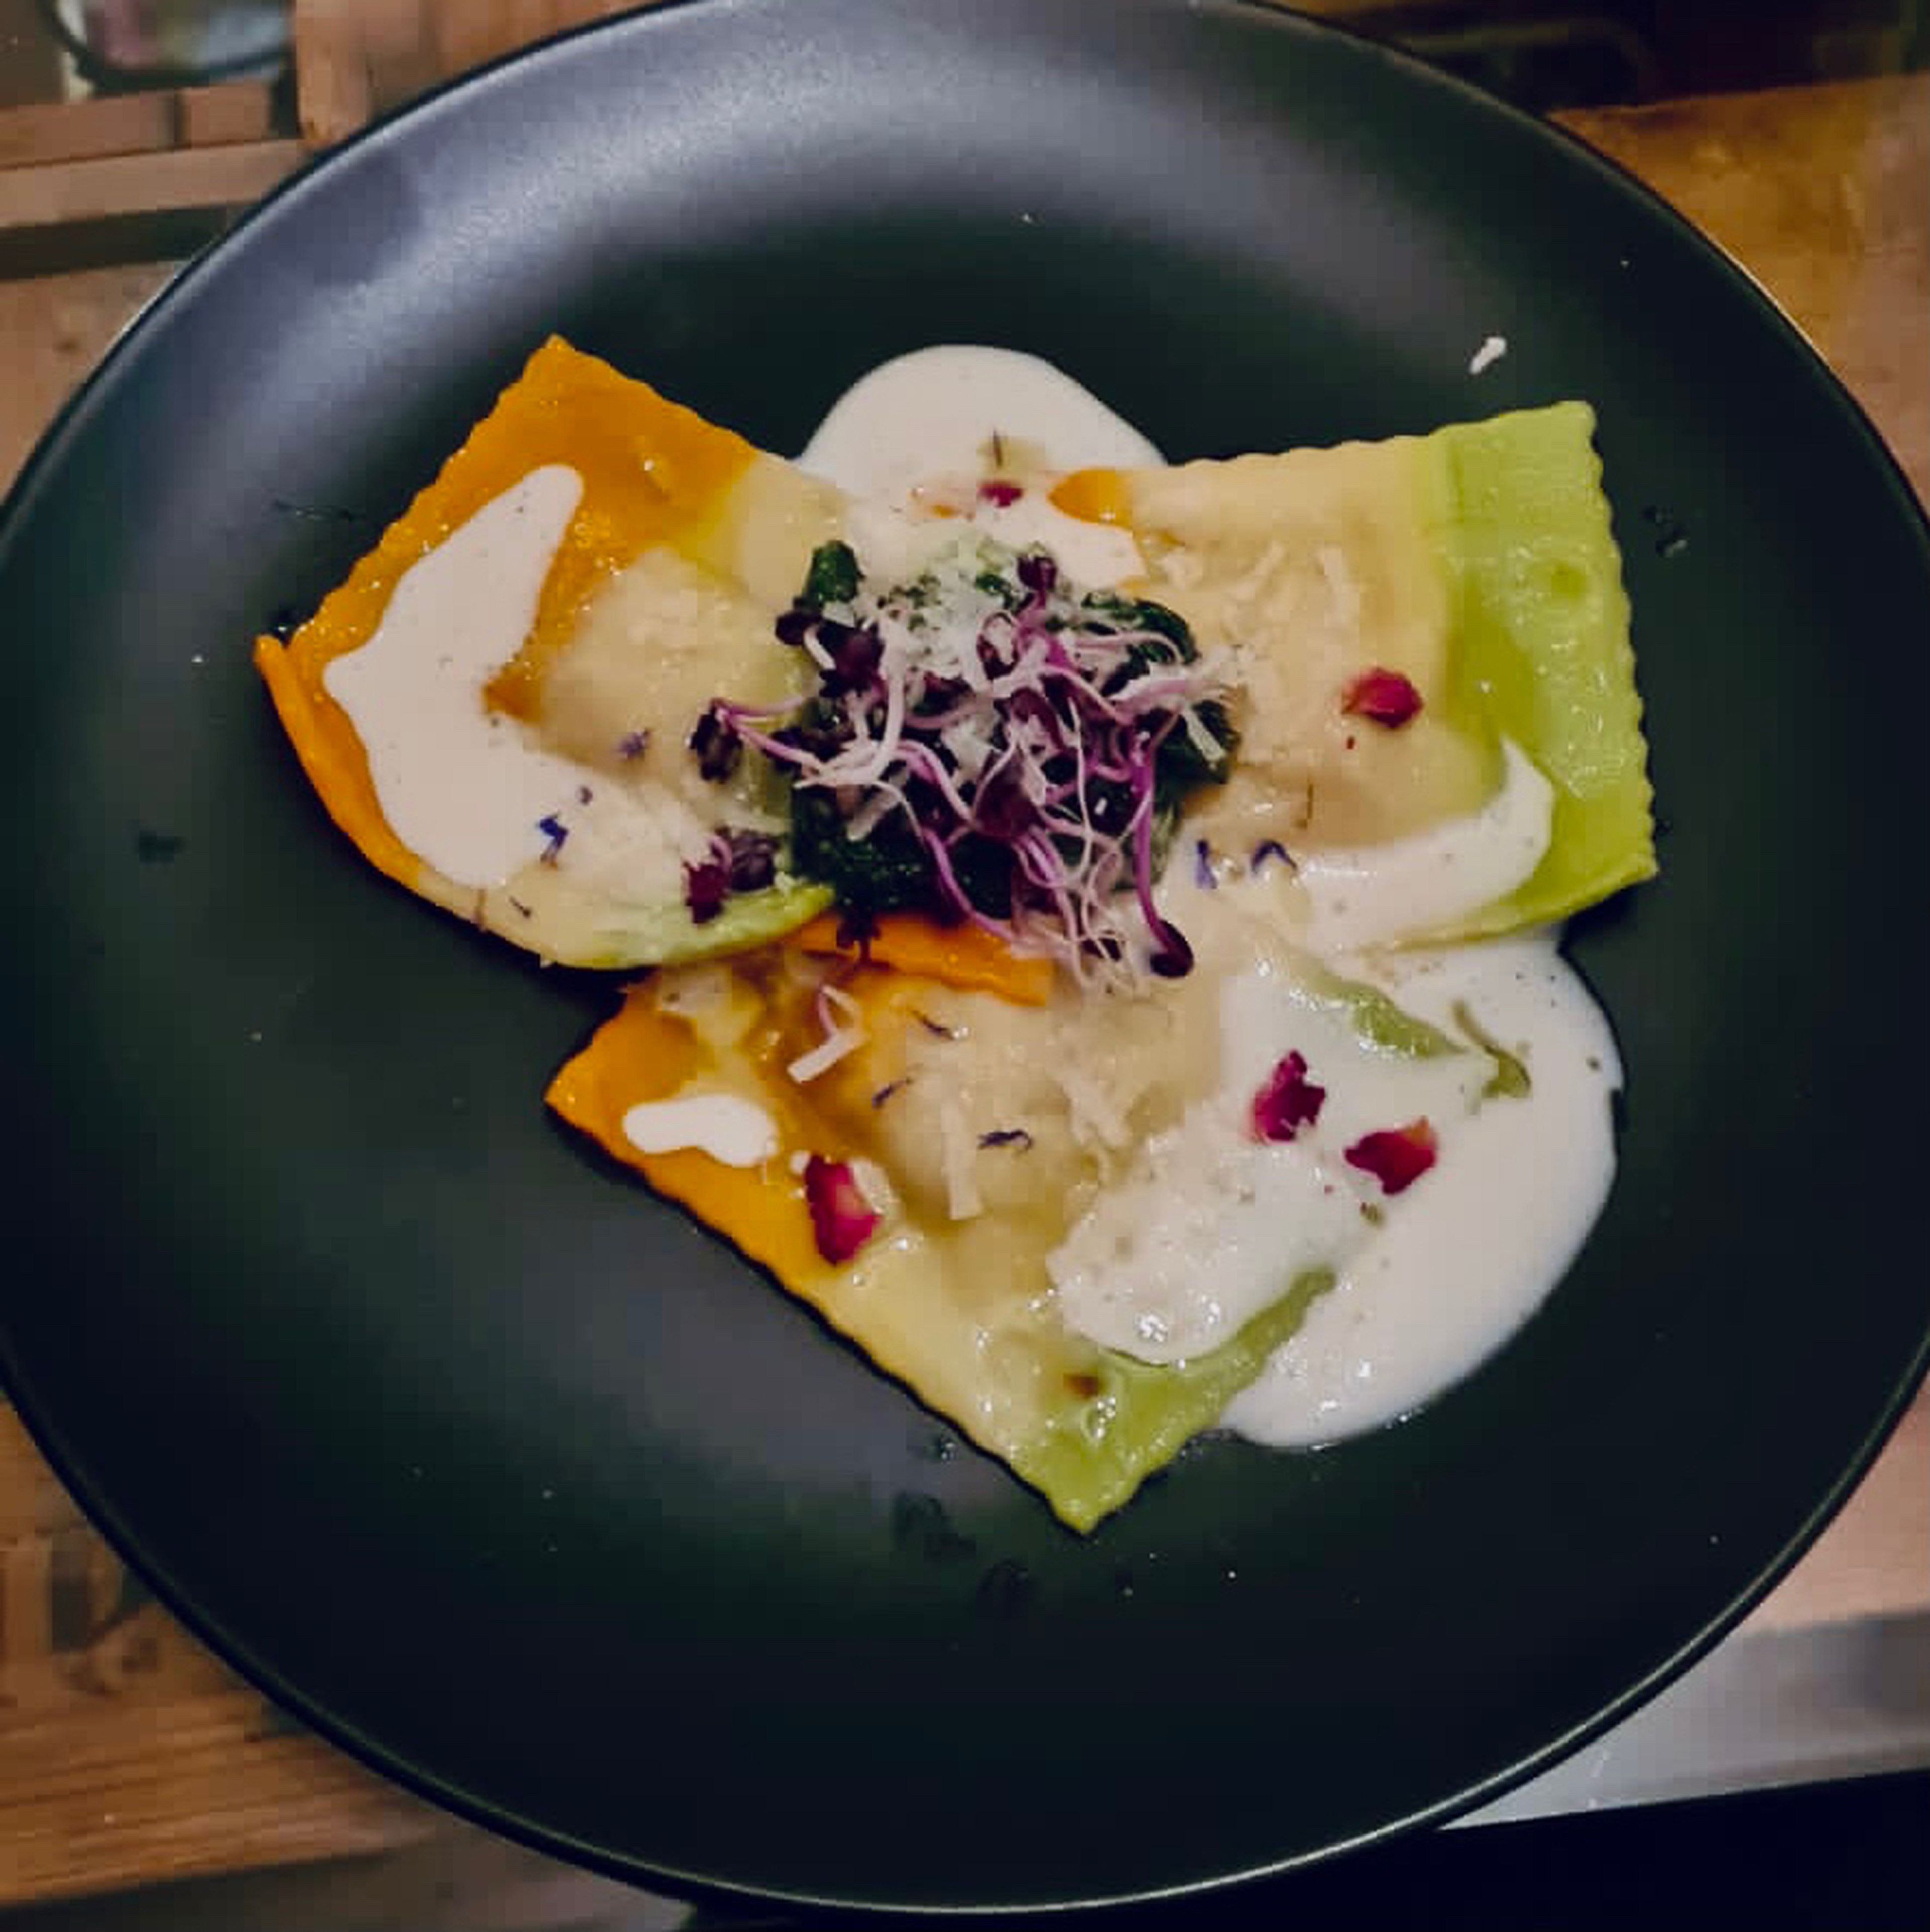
[642,1054]
[966,956]
[957,1305]
[652,472]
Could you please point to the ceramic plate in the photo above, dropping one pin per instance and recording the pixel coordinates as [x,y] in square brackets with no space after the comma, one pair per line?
[525,1488]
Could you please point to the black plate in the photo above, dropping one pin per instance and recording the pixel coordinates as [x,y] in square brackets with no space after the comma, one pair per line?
[525,1488]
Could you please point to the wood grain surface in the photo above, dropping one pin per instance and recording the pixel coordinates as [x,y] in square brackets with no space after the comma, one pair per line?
[127,124]
[354,58]
[127,1754]
[99,186]
[1824,194]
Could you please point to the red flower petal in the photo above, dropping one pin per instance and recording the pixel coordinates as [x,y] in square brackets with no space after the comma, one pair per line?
[1398,1156]
[1381,697]
[842,1219]
[706,886]
[1289,1102]
[999,494]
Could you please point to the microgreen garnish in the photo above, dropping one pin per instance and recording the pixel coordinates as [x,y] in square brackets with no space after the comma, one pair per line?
[987,745]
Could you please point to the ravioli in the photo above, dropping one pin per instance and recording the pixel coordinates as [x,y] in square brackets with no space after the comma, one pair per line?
[1479,562]
[684,544]
[986,1129]
[1001,1124]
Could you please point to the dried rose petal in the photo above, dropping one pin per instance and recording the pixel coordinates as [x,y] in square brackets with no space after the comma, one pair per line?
[1289,1102]
[706,886]
[715,742]
[856,652]
[842,1219]
[751,857]
[1398,1156]
[999,494]
[1381,697]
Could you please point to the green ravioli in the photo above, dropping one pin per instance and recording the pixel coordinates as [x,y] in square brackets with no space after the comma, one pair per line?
[1479,563]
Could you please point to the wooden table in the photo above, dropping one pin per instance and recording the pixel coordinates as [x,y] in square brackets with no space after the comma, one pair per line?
[128,1754]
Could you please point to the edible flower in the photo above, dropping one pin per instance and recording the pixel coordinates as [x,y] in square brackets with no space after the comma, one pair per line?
[735,862]
[716,745]
[1397,1157]
[1382,696]
[841,1220]
[987,744]
[1287,1101]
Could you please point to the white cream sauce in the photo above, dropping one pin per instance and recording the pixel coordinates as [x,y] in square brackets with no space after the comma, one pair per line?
[1370,894]
[1470,1251]
[726,1126]
[914,440]
[1205,1225]
[464,787]
[1209,1225]
[468,789]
